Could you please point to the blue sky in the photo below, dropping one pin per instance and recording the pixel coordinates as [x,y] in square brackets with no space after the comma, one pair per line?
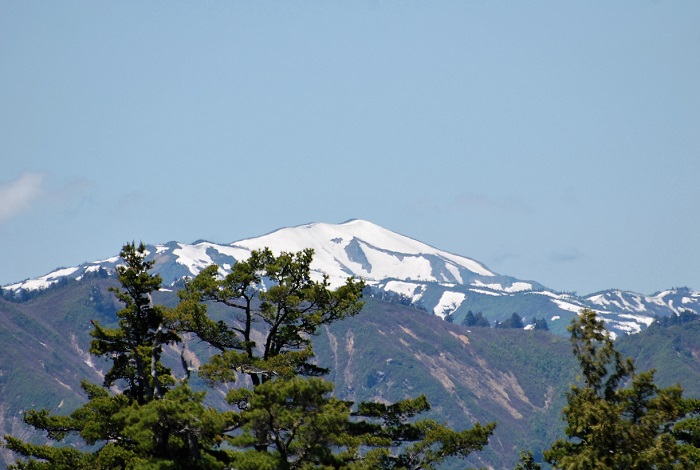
[552,141]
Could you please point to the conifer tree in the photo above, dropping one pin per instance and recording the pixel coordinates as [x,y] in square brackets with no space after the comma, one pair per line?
[475,320]
[288,418]
[279,297]
[617,419]
[136,345]
[540,324]
[148,425]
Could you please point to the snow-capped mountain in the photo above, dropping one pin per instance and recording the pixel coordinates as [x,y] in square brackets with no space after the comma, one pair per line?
[403,269]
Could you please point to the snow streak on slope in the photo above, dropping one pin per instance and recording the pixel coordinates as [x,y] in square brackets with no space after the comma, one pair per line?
[449,302]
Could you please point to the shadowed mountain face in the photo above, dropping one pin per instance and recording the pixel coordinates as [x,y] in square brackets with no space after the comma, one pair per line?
[388,352]
[409,271]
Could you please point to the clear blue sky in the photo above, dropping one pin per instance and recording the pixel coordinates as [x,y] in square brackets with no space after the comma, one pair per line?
[552,141]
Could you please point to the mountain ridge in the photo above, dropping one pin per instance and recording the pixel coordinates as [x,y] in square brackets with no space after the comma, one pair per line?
[412,271]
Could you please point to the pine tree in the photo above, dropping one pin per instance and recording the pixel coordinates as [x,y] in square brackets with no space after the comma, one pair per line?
[527,462]
[610,426]
[136,345]
[288,418]
[514,321]
[475,320]
[277,294]
[540,324]
[151,424]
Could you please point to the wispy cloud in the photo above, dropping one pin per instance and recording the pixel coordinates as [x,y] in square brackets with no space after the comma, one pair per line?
[128,205]
[469,200]
[565,256]
[504,256]
[18,195]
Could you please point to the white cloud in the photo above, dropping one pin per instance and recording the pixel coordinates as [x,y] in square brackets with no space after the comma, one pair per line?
[18,195]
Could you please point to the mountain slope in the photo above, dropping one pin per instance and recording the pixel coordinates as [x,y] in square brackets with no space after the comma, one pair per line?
[405,270]
[388,352]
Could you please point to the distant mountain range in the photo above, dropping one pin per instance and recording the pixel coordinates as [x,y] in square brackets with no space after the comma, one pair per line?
[404,270]
[390,351]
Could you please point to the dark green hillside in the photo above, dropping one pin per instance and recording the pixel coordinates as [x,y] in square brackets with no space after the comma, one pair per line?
[674,351]
[43,350]
[527,306]
[516,378]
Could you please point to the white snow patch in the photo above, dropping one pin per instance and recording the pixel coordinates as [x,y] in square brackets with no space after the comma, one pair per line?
[386,265]
[519,287]
[515,287]
[44,281]
[487,292]
[529,327]
[478,283]
[638,318]
[599,299]
[628,327]
[449,302]
[407,289]
[161,249]
[626,305]
[63,384]
[455,272]
[567,306]
[193,257]
[551,294]
[555,318]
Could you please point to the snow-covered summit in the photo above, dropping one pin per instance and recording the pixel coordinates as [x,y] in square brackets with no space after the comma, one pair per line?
[404,269]
[363,249]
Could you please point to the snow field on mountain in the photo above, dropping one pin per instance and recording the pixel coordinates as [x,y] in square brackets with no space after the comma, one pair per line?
[409,290]
[329,242]
[44,281]
[449,302]
[515,287]
[195,257]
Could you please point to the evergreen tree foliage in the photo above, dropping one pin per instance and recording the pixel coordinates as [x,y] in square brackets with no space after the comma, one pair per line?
[286,418]
[151,424]
[278,294]
[136,345]
[514,321]
[295,423]
[478,320]
[618,419]
[527,462]
[681,318]
[289,419]
[540,324]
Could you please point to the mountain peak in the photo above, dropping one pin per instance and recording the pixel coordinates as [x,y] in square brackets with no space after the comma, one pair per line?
[404,269]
